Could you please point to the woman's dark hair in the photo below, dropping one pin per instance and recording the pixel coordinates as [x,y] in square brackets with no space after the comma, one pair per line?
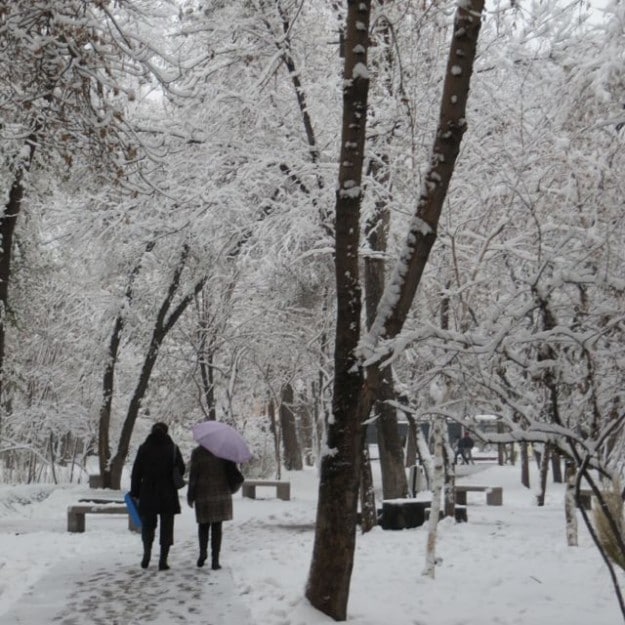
[159,427]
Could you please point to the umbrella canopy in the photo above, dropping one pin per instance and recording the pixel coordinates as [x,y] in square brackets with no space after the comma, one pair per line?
[222,440]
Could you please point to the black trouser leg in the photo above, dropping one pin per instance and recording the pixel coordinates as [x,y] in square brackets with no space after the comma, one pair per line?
[166,539]
[148,525]
[202,534]
[167,530]
[215,545]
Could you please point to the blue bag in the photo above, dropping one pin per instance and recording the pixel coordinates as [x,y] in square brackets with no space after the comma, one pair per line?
[132,510]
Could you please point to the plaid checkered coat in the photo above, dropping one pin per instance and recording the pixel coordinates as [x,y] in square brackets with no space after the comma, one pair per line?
[208,487]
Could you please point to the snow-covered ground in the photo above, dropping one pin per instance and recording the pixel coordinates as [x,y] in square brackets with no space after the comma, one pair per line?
[508,565]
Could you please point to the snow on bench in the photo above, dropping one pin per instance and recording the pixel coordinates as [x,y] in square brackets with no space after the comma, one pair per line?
[283,489]
[494,494]
[76,513]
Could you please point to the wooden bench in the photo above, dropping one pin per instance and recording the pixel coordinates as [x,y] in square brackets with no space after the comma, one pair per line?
[76,514]
[283,489]
[494,494]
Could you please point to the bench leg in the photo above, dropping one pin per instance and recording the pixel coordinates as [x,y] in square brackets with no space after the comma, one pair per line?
[461,497]
[247,490]
[494,497]
[284,492]
[75,522]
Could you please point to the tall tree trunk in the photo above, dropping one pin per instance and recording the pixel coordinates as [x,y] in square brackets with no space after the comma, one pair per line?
[556,466]
[425,457]
[394,481]
[8,222]
[437,490]
[411,444]
[104,422]
[206,356]
[449,486]
[108,380]
[304,410]
[275,430]
[391,453]
[501,447]
[569,504]
[333,551]
[368,515]
[525,464]
[543,472]
[162,327]
[292,452]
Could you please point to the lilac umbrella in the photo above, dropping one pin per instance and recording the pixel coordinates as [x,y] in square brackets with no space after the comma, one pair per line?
[222,440]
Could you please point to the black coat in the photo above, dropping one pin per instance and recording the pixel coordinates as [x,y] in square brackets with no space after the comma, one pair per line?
[151,480]
[466,442]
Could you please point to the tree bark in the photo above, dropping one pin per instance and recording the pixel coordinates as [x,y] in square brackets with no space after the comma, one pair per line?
[162,327]
[556,466]
[206,356]
[108,381]
[525,465]
[543,472]
[368,515]
[394,481]
[273,425]
[569,504]
[437,489]
[8,222]
[411,445]
[304,410]
[391,453]
[333,551]
[406,277]
[292,452]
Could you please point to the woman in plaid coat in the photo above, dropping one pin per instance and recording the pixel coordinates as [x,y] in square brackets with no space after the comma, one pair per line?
[209,492]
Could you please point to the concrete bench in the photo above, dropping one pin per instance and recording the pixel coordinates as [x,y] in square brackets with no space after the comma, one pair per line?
[399,514]
[283,489]
[76,514]
[460,514]
[494,494]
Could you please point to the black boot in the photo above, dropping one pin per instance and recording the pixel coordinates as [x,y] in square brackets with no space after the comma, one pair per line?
[202,534]
[147,552]
[162,562]
[147,537]
[215,545]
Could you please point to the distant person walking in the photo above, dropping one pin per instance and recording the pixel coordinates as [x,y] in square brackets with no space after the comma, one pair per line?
[463,449]
[152,484]
[209,491]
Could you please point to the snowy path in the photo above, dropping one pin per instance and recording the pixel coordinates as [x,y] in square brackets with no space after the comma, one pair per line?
[116,591]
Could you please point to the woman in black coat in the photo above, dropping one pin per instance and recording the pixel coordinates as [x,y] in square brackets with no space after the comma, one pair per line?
[152,484]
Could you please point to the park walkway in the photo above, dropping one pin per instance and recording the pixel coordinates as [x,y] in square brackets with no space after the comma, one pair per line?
[115,591]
